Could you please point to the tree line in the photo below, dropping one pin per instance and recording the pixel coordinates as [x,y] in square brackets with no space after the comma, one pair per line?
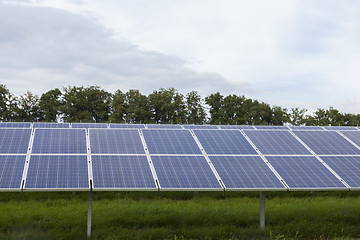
[93,104]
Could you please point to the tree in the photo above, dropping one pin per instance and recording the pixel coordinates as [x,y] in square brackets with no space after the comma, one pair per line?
[138,108]
[90,104]
[118,107]
[279,116]
[8,104]
[28,108]
[49,104]
[215,101]
[195,110]
[167,106]
[297,116]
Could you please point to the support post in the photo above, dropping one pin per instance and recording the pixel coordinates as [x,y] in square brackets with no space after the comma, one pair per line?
[262,210]
[89,215]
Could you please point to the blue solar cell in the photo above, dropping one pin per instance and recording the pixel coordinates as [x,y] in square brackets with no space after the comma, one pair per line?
[50,125]
[122,172]
[15,125]
[200,126]
[57,172]
[170,142]
[276,142]
[224,142]
[310,128]
[245,172]
[327,142]
[354,136]
[236,127]
[164,126]
[89,125]
[304,172]
[14,140]
[63,141]
[340,128]
[271,127]
[11,171]
[184,172]
[347,167]
[116,141]
[124,125]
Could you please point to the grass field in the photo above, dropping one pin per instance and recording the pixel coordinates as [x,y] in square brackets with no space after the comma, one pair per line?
[187,215]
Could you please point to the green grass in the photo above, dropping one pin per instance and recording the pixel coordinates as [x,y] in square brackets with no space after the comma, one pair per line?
[187,215]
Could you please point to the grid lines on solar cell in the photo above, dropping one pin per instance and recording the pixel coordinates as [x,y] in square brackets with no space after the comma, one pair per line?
[14,140]
[170,142]
[327,142]
[115,141]
[124,125]
[354,136]
[184,172]
[122,172]
[57,172]
[164,126]
[200,126]
[347,167]
[89,125]
[236,127]
[224,142]
[310,128]
[245,172]
[15,125]
[61,141]
[340,128]
[271,127]
[276,142]
[304,172]
[50,125]
[11,171]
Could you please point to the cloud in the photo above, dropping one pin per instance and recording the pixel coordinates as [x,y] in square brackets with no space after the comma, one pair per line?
[44,48]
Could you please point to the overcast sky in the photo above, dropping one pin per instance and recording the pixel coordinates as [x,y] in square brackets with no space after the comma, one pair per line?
[288,53]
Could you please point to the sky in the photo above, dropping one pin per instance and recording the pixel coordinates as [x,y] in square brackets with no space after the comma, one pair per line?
[288,53]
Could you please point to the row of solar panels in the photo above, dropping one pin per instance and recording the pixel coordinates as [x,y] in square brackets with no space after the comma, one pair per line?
[151,159]
[165,126]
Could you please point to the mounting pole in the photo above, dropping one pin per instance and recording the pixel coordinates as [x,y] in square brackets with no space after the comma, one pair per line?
[262,210]
[89,215]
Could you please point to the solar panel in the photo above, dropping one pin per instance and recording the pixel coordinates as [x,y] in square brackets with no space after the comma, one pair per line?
[51,172]
[304,172]
[15,125]
[347,167]
[170,142]
[115,141]
[89,125]
[164,126]
[245,172]
[224,142]
[276,142]
[327,142]
[310,128]
[184,172]
[340,128]
[200,126]
[50,125]
[14,140]
[236,127]
[61,141]
[125,125]
[11,171]
[122,172]
[354,136]
[270,127]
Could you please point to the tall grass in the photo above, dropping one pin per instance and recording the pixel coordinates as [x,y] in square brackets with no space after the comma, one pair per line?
[187,215]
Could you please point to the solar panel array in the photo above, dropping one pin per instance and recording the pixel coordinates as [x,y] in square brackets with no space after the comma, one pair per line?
[82,156]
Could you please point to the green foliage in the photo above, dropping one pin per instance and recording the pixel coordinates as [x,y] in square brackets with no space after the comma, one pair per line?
[93,104]
[180,215]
